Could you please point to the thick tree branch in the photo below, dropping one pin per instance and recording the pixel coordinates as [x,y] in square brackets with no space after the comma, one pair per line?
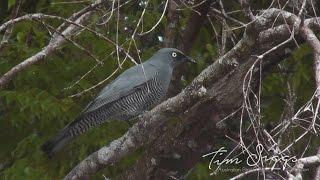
[222,101]
[197,133]
[140,133]
[314,42]
[317,173]
[211,78]
[170,31]
[190,144]
[302,163]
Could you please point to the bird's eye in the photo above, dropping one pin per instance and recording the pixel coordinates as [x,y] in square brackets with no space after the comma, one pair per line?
[174,54]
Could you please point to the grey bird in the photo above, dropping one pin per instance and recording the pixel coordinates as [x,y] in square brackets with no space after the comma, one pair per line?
[134,91]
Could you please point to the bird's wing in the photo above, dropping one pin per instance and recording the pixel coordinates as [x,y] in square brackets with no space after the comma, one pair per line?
[125,84]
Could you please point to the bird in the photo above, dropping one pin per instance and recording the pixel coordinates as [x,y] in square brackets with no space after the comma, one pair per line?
[133,92]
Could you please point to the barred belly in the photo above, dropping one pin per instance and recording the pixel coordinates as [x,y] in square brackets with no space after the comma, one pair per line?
[124,108]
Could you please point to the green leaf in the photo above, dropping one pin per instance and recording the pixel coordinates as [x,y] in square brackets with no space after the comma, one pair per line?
[11,3]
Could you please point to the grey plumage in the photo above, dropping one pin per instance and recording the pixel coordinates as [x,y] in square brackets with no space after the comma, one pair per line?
[131,93]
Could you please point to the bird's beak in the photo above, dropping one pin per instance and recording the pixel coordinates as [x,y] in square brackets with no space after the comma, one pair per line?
[189,59]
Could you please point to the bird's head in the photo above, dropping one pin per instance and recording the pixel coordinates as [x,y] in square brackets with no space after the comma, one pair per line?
[172,56]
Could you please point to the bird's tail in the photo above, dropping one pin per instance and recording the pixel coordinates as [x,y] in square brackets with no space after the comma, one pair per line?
[70,131]
[53,145]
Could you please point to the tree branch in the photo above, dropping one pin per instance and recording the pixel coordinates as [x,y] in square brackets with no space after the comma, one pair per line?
[199,128]
[212,78]
[314,42]
[54,43]
[301,163]
[139,134]
[8,31]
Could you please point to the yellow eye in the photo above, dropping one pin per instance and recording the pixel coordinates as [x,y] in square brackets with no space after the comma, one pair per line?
[174,54]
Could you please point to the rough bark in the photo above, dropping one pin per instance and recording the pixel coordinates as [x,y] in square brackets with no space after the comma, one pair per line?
[223,84]
[172,151]
[177,149]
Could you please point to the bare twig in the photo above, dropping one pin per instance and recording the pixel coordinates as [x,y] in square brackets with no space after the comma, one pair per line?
[162,15]
[8,31]
[51,47]
[55,42]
